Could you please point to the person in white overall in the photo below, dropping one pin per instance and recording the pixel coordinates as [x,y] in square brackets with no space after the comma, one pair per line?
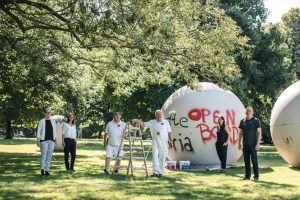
[161,140]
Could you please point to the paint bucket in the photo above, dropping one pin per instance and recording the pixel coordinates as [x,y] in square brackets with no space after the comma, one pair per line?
[171,165]
[184,164]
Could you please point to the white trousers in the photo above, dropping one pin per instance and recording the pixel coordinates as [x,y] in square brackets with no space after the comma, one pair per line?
[159,155]
[47,148]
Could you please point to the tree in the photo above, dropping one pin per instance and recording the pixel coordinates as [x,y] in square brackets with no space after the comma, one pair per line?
[291,24]
[132,46]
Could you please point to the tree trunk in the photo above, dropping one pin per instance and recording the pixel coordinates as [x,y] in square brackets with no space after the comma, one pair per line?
[9,130]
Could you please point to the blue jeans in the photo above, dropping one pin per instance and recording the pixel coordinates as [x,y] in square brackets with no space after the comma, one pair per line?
[47,148]
[249,151]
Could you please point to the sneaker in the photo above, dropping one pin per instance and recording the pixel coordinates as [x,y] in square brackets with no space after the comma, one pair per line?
[42,172]
[246,179]
[222,171]
[256,179]
[47,173]
[154,175]
[105,171]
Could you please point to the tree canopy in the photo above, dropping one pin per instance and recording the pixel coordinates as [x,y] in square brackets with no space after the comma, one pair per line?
[93,57]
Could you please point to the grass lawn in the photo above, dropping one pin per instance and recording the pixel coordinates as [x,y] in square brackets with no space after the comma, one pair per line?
[20,178]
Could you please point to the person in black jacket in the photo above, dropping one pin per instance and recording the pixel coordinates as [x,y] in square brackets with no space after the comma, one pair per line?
[250,133]
[223,136]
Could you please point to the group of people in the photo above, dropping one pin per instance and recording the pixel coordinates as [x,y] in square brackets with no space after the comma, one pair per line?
[162,141]
[250,134]
[46,140]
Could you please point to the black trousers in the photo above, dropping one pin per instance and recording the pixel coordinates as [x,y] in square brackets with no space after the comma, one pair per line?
[222,153]
[70,148]
[249,151]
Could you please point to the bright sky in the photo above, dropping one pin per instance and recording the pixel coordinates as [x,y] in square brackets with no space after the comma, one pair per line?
[278,7]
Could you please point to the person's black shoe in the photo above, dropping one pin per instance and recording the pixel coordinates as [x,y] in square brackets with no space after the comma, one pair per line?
[160,175]
[42,172]
[256,179]
[105,171]
[116,171]
[246,179]
[222,171]
[154,175]
[47,173]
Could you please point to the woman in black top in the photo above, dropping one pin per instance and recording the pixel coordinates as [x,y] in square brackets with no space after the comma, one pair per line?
[223,136]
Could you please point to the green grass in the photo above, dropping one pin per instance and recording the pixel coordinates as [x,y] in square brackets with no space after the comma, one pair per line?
[19,178]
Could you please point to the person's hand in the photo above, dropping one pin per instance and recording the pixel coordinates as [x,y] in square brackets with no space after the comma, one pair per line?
[135,121]
[63,144]
[240,147]
[38,143]
[257,147]
[170,145]
[225,144]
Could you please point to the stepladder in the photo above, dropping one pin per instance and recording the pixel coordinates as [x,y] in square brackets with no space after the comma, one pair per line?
[132,149]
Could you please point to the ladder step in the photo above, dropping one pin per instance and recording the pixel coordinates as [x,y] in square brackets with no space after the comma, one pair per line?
[128,147]
[121,167]
[134,167]
[133,158]
[135,138]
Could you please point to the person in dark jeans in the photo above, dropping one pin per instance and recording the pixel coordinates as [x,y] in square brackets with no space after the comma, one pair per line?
[69,141]
[223,136]
[250,132]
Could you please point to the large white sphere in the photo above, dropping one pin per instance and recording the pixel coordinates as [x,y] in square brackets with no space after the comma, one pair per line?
[194,124]
[285,125]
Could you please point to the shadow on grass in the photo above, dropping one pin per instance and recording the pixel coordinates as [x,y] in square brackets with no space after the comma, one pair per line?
[295,168]
[92,146]
[166,186]
[17,141]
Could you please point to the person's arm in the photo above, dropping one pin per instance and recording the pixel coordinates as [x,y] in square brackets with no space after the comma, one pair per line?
[139,123]
[38,134]
[228,136]
[63,134]
[170,137]
[259,136]
[170,141]
[105,139]
[240,139]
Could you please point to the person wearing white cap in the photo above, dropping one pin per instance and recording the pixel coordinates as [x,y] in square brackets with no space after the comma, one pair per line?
[112,140]
[46,136]
[161,140]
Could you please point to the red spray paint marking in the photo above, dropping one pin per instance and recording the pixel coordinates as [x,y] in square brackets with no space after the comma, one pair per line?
[206,132]
[199,114]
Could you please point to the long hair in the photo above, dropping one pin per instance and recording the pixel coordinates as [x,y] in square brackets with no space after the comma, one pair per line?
[222,126]
[68,119]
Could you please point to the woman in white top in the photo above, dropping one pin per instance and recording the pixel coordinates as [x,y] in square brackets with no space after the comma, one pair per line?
[69,141]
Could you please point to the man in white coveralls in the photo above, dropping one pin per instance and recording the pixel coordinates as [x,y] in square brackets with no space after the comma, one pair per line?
[161,140]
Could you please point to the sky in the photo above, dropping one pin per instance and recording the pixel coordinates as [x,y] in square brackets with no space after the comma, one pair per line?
[278,7]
